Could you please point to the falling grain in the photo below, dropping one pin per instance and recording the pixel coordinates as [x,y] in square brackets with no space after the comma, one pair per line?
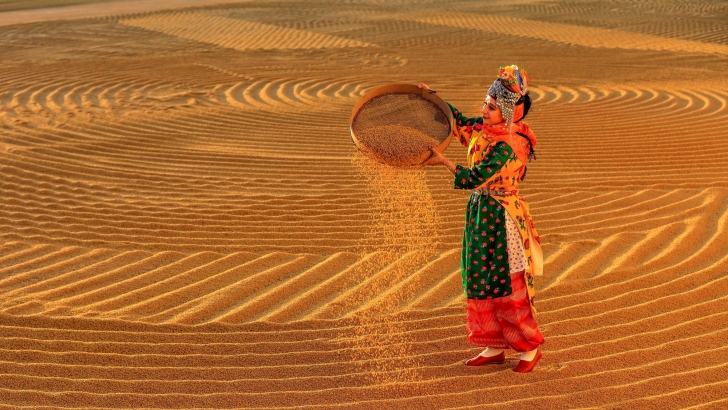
[403,227]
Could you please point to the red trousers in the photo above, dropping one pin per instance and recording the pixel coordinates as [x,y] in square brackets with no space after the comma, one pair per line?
[505,322]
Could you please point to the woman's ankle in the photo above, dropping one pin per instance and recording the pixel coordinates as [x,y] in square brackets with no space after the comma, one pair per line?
[528,356]
[490,352]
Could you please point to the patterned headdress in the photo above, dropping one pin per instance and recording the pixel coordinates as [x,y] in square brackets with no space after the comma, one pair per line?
[507,89]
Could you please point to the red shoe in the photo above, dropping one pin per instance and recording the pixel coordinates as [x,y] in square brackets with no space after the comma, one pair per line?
[525,366]
[480,360]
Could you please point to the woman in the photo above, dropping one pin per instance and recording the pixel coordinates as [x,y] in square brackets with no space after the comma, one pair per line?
[501,251]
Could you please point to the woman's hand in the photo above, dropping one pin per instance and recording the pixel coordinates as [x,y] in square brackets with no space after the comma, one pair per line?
[435,159]
[426,87]
[438,159]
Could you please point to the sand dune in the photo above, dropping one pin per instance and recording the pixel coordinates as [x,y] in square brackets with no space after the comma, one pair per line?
[184,223]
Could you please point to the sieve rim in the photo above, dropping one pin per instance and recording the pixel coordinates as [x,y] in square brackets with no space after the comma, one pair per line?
[404,89]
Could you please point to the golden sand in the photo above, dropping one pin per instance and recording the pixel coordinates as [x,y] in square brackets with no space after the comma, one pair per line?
[182,224]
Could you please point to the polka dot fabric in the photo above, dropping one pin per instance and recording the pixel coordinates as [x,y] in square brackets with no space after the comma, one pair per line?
[516,256]
[484,258]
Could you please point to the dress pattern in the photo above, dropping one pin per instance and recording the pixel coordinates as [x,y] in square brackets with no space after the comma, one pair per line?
[497,263]
[492,165]
[484,256]
[505,322]
[516,256]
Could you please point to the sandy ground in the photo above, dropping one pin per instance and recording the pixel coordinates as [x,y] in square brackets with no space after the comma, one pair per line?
[17,12]
[181,220]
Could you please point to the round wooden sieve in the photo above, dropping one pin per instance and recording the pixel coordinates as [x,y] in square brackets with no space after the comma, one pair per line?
[391,107]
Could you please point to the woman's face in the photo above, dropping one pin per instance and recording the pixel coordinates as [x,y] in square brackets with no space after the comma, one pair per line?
[491,113]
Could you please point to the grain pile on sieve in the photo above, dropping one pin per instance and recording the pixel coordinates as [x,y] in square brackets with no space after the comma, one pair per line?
[397,145]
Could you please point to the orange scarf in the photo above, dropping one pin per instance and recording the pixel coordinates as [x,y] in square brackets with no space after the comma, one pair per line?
[521,139]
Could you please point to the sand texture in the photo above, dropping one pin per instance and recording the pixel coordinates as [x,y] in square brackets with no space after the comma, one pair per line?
[184,221]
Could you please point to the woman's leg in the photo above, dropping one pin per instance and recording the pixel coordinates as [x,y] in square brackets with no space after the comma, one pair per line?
[516,320]
[483,330]
[482,324]
[519,326]
[529,355]
[489,352]
[487,356]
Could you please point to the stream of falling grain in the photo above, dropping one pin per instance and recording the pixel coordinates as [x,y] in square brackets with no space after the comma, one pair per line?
[403,230]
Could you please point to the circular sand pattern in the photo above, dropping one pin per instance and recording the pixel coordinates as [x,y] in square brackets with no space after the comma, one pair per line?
[571,34]
[237,34]
[276,94]
[181,221]
[105,96]
[65,99]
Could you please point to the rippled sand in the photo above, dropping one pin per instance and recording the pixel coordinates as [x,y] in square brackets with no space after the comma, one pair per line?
[181,220]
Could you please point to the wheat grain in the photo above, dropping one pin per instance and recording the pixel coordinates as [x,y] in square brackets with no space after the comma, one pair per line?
[395,144]
[404,233]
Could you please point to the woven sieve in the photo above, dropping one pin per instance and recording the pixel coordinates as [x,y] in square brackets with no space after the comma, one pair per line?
[391,114]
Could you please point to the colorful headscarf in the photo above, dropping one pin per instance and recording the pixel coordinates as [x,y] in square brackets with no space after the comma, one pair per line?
[507,89]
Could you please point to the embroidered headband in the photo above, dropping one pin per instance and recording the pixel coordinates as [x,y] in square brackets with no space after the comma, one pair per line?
[507,89]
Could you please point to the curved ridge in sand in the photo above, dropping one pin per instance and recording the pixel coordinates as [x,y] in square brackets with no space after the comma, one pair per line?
[236,33]
[180,214]
[569,33]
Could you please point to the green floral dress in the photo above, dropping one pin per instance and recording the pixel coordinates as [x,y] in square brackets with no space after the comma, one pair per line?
[495,171]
